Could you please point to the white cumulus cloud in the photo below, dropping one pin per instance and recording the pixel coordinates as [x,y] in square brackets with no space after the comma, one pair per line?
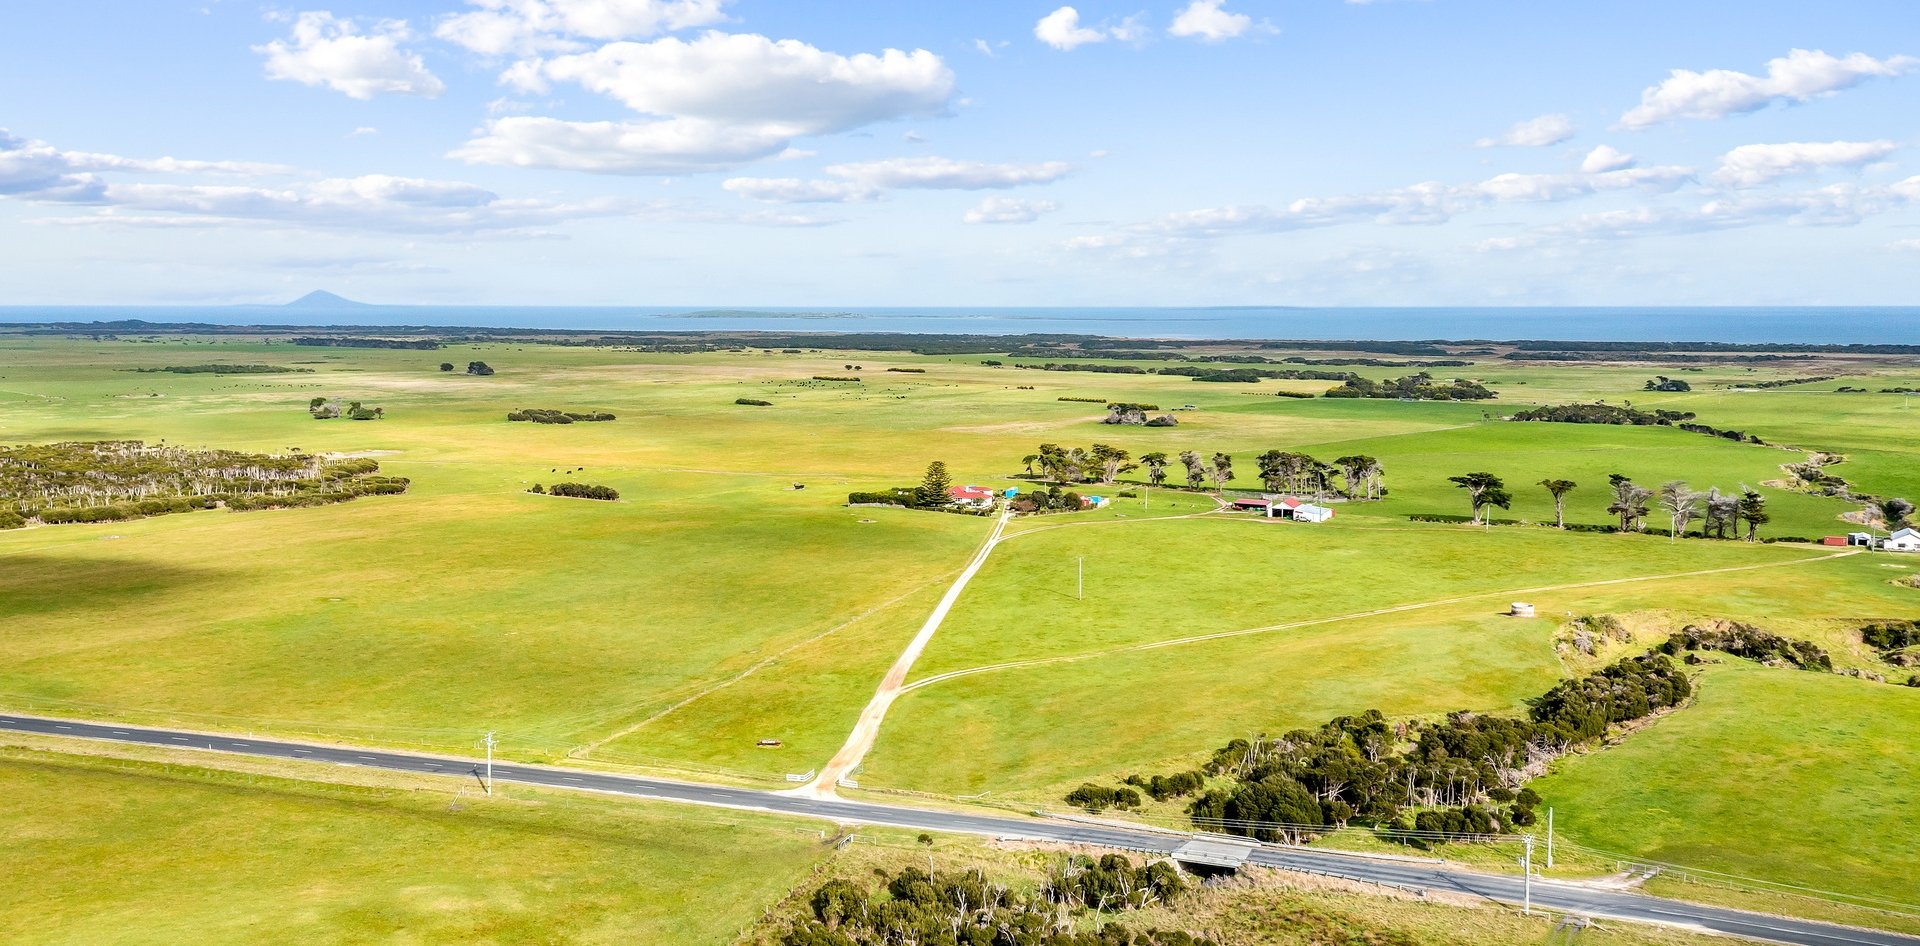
[330,51]
[1207,20]
[717,101]
[1062,29]
[1533,133]
[1753,165]
[1799,76]
[1606,158]
[497,27]
[1009,210]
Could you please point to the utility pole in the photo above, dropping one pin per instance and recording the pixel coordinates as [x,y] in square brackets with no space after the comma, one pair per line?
[1549,839]
[1526,865]
[1080,581]
[489,782]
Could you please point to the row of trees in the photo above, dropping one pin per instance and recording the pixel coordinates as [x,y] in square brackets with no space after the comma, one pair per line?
[1721,514]
[1359,477]
[1471,767]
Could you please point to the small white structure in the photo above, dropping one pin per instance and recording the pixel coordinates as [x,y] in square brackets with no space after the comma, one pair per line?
[1904,540]
[1308,512]
[1860,538]
[1522,609]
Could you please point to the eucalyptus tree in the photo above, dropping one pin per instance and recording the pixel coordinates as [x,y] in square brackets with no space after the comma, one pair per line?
[1483,490]
[1559,489]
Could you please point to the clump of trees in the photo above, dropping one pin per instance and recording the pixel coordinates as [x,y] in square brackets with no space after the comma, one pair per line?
[347,341]
[752,402]
[543,416]
[1749,642]
[931,493]
[110,481]
[940,908]
[577,491]
[480,368]
[1467,771]
[1664,383]
[1414,387]
[1894,640]
[832,377]
[1097,798]
[1102,463]
[1051,499]
[225,369]
[1629,416]
[321,408]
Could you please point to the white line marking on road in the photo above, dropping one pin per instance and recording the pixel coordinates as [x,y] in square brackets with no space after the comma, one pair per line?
[58,726]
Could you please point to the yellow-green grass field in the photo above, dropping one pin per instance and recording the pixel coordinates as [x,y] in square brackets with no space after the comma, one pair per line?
[715,605]
[1793,777]
[103,852]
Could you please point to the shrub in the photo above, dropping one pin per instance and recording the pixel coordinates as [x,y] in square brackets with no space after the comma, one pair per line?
[11,520]
[583,491]
[752,402]
[1295,394]
[832,377]
[909,370]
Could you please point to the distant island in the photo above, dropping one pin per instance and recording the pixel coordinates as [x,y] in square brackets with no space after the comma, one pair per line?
[322,299]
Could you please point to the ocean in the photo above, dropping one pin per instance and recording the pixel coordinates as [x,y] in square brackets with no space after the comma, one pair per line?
[1830,325]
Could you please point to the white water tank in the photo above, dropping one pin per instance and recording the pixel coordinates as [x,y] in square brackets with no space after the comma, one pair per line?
[1521,609]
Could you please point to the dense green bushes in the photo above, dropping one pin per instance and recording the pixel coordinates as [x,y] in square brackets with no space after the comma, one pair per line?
[345,341]
[901,496]
[543,416]
[1628,416]
[1096,798]
[968,909]
[112,481]
[752,402]
[1415,387]
[225,369]
[578,491]
[1752,643]
[1460,775]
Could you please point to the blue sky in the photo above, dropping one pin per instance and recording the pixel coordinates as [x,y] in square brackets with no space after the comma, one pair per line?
[1174,152]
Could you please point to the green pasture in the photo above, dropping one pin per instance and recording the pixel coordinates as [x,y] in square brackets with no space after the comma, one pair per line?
[717,605]
[106,853]
[1789,776]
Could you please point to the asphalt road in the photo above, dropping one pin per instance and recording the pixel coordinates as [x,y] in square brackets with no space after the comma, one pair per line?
[1547,895]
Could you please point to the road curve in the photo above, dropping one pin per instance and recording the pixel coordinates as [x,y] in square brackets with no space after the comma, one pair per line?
[1547,895]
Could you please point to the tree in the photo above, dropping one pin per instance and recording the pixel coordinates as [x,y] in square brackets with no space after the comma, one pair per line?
[1030,459]
[1753,508]
[1559,489]
[1722,514]
[1222,470]
[1893,511]
[1156,464]
[446,366]
[1196,473]
[1111,460]
[1629,502]
[933,486]
[1682,505]
[1360,472]
[1483,489]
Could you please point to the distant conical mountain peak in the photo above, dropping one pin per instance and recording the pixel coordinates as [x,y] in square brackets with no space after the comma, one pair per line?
[321,299]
